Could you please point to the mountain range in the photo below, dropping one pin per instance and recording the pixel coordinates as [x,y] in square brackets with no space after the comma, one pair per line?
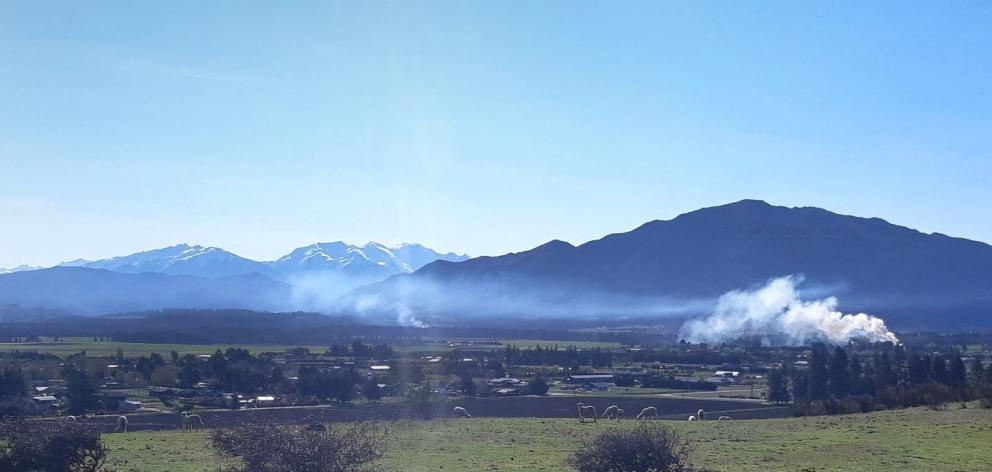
[663,268]
[371,259]
[193,276]
[915,279]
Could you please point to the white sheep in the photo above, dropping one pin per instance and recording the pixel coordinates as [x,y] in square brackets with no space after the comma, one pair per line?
[692,418]
[648,412]
[192,422]
[722,418]
[69,419]
[121,424]
[701,415]
[586,411]
[461,412]
[611,411]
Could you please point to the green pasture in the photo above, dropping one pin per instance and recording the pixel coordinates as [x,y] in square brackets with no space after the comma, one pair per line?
[897,441]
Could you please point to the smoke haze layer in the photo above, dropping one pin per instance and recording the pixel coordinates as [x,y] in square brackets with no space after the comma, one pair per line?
[776,314]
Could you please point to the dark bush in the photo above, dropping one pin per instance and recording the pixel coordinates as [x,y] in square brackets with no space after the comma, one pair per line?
[51,447]
[270,448]
[646,448]
[538,386]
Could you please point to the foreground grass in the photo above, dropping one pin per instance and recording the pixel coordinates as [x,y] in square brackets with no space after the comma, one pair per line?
[906,440]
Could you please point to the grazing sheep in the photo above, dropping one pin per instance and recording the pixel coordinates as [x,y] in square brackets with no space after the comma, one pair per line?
[611,412]
[692,418]
[701,415]
[461,412]
[121,424]
[648,412]
[620,414]
[69,419]
[586,411]
[192,422]
[724,418]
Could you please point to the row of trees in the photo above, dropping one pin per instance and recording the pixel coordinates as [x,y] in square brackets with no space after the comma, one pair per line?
[11,382]
[568,357]
[890,378]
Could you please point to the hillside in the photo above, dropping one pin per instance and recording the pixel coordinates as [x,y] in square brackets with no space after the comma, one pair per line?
[867,262]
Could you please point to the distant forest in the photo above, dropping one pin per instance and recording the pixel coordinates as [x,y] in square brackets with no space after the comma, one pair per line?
[194,326]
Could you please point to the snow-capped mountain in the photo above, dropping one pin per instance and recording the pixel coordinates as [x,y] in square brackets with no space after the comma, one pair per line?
[367,263]
[181,259]
[371,259]
[20,268]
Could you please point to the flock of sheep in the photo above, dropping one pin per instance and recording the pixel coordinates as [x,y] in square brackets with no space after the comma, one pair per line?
[611,412]
[195,422]
[189,422]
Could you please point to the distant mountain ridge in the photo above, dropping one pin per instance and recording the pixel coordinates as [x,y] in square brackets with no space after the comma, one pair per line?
[369,260]
[88,291]
[193,276]
[869,263]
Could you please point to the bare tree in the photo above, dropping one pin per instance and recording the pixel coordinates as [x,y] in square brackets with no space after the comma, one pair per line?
[647,448]
[357,447]
[51,446]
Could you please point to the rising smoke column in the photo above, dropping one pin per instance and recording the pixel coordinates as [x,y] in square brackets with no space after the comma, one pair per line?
[775,313]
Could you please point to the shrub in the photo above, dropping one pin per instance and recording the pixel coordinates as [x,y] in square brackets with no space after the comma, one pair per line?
[538,386]
[270,448]
[646,448]
[51,447]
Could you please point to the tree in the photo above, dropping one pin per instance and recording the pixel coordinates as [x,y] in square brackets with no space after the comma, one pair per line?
[885,376]
[467,385]
[372,391]
[957,376]
[778,386]
[269,448]
[12,382]
[918,369]
[977,369]
[81,392]
[817,374]
[839,376]
[50,447]
[938,370]
[800,385]
[648,447]
[538,386]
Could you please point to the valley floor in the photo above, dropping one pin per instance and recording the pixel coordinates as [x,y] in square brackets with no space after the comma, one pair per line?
[898,441]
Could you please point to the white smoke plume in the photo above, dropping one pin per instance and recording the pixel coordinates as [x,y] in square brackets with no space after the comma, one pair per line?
[777,315]
[376,304]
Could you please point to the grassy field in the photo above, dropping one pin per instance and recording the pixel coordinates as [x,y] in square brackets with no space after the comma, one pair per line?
[109,348]
[903,441]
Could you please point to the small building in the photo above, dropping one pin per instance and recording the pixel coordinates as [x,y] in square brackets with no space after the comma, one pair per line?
[46,403]
[589,378]
[265,400]
[129,406]
[598,386]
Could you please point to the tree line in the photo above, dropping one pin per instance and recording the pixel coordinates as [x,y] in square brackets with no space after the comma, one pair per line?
[837,381]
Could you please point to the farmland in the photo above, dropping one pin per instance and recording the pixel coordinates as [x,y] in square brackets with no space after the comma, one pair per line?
[904,440]
[98,348]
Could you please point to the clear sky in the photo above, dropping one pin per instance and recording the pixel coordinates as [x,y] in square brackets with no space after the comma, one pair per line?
[479,127]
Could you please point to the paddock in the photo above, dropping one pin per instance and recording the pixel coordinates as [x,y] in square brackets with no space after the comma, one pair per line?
[675,409]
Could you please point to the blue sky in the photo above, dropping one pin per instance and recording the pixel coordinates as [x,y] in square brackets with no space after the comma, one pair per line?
[482,127]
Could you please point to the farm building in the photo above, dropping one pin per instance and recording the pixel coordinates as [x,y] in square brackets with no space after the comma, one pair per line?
[589,378]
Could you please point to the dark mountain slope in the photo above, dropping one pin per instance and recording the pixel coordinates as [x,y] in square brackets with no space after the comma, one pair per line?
[868,262]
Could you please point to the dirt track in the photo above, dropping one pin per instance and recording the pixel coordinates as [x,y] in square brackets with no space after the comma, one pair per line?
[511,407]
